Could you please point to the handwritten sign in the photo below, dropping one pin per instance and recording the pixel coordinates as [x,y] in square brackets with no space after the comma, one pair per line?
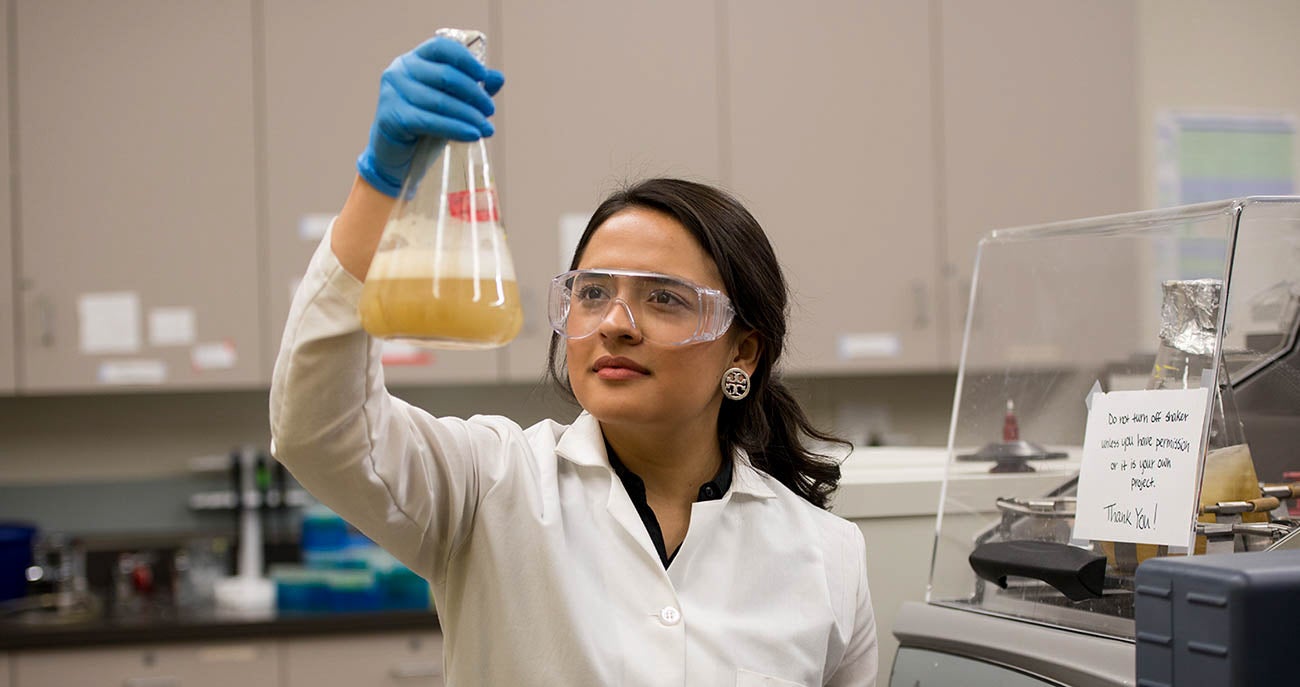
[1137,481]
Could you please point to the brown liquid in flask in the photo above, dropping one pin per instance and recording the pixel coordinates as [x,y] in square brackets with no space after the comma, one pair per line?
[442,276]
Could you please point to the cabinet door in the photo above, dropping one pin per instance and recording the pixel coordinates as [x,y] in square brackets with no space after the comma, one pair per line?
[7,356]
[597,93]
[1039,122]
[138,251]
[323,62]
[832,147]
[394,660]
[246,664]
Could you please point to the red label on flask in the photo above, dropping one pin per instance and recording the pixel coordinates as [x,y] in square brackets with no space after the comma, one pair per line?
[479,205]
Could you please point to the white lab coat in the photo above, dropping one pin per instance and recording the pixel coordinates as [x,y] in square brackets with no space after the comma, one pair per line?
[541,569]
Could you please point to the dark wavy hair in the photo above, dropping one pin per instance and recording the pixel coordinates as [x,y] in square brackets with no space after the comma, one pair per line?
[768,424]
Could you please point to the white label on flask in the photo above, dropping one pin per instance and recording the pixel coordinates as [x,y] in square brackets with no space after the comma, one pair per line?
[1141,456]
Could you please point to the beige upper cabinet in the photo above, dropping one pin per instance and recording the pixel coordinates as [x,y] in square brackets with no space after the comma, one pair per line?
[830,142]
[322,68]
[138,252]
[597,93]
[1039,108]
[7,359]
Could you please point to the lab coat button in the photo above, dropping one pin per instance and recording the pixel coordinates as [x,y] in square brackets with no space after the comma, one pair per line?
[670,616]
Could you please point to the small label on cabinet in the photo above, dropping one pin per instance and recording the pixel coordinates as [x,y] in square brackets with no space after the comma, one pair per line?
[312,226]
[126,372]
[869,345]
[218,355]
[171,326]
[234,653]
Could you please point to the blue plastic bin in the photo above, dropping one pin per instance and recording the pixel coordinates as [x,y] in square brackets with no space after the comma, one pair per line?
[15,558]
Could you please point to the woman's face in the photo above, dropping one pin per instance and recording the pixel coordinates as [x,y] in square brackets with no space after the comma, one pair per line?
[654,384]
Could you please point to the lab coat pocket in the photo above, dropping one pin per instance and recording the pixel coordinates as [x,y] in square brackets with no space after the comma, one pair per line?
[748,678]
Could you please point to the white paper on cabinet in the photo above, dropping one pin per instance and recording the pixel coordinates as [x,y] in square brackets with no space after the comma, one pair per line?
[572,224]
[171,326]
[109,322]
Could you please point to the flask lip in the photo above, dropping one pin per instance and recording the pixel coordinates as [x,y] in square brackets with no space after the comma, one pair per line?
[1189,314]
[474,41]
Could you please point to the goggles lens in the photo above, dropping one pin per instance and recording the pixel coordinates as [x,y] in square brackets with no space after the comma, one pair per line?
[666,310]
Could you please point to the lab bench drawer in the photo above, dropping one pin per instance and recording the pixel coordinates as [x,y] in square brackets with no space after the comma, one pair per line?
[245,664]
[409,659]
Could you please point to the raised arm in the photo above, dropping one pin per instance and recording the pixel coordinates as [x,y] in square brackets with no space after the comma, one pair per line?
[406,479]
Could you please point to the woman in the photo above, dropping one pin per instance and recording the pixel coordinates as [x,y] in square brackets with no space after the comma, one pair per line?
[675,533]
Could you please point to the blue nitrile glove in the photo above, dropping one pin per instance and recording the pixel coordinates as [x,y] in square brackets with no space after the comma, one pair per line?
[434,90]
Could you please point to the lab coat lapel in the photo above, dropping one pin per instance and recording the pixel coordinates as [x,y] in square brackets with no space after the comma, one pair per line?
[703,527]
[584,444]
[624,513]
[746,479]
[746,482]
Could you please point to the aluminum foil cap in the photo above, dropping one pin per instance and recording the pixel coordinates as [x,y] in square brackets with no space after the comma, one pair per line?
[476,41]
[1189,316]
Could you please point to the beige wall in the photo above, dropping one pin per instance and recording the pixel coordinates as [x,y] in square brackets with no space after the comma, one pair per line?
[1192,54]
[147,436]
[1216,55]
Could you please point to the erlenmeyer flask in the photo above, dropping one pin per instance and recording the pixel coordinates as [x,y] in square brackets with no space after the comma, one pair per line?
[442,276]
[1189,320]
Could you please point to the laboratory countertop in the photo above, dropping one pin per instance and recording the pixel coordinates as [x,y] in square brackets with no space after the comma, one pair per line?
[891,482]
[887,482]
[172,626]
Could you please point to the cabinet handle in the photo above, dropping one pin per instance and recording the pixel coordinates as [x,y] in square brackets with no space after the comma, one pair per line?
[528,302]
[413,670]
[46,310]
[920,305]
[160,681]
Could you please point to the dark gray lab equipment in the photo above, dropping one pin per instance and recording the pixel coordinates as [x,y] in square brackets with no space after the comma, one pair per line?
[1225,620]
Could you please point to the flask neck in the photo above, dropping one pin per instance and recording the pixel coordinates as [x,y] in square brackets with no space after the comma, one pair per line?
[1189,350]
[1176,369]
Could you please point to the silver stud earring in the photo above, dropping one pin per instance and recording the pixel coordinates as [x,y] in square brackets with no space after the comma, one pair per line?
[735,383]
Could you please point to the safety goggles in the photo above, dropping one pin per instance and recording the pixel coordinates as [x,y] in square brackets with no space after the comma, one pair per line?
[666,310]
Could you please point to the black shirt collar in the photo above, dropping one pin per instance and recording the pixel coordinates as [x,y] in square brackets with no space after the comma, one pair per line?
[712,490]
